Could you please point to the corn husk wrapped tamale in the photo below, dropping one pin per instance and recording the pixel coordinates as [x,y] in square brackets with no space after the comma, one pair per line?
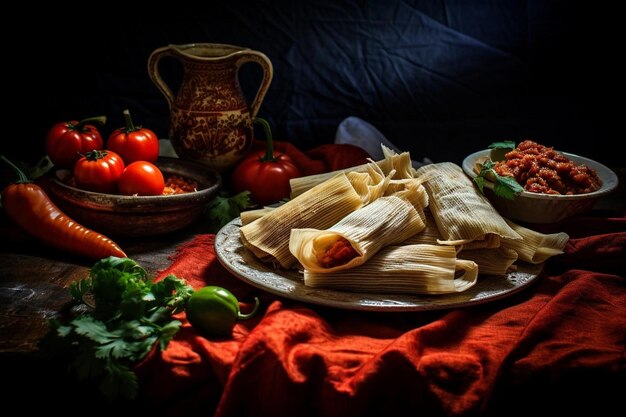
[386,221]
[535,247]
[491,261]
[319,208]
[463,215]
[429,236]
[322,206]
[249,216]
[409,269]
[398,165]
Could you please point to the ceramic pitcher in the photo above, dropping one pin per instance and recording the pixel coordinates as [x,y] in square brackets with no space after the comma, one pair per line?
[210,120]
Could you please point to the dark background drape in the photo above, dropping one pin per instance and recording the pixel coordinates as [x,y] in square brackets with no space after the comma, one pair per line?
[440,79]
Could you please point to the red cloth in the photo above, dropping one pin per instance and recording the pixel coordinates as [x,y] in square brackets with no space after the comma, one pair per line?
[557,346]
[321,159]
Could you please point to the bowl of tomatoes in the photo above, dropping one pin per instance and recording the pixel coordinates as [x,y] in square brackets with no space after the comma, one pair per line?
[189,186]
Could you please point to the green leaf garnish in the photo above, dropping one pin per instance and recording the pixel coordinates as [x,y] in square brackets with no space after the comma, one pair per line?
[506,144]
[225,208]
[131,315]
[503,186]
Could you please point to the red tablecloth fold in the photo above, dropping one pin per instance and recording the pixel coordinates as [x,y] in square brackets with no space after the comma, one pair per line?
[556,346]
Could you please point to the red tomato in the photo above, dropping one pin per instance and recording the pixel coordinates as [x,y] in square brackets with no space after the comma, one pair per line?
[265,174]
[99,171]
[142,178]
[134,143]
[67,142]
[267,180]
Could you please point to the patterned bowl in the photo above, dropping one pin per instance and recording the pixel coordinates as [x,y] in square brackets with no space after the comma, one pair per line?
[545,208]
[120,215]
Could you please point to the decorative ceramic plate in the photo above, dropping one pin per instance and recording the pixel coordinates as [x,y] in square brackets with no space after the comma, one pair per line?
[290,283]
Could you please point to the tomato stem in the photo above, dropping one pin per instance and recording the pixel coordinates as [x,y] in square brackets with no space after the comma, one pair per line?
[251,314]
[99,119]
[269,140]
[130,126]
[95,154]
[22,178]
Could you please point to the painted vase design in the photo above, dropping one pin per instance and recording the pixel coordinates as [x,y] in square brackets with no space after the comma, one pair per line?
[210,121]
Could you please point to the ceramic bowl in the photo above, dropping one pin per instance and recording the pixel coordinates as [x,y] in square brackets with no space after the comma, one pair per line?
[120,215]
[545,208]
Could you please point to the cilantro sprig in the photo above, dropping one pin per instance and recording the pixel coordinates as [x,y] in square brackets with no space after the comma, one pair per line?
[128,314]
[225,208]
[503,186]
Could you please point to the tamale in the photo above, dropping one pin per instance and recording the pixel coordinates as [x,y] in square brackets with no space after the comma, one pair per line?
[462,214]
[399,165]
[249,216]
[410,269]
[357,237]
[320,207]
[535,247]
[497,261]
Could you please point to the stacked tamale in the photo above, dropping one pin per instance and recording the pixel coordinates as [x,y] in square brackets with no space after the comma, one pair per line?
[385,227]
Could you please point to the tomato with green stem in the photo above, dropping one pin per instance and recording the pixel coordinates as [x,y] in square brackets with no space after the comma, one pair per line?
[141,178]
[99,171]
[134,143]
[67,142]
[265,174]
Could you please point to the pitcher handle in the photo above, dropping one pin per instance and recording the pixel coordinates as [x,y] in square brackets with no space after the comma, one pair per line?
[268,73]
[155,75]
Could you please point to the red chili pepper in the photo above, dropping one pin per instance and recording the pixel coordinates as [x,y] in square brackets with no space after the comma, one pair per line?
[66,142]
[265,174]
[29,206]
[134,143]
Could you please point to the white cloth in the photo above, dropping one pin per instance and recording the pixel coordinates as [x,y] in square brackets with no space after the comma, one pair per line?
[358,132]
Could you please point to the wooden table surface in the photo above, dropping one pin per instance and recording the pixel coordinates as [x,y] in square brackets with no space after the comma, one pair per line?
[35,279]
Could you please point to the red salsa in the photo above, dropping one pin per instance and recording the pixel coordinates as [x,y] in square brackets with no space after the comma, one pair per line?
[175,184]
[339,253]
[541,169]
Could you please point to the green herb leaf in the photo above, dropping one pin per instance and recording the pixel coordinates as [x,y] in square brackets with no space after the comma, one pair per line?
[167,332]
[223,209]
[118,382]
[78,289]
[506,144]
[506,187]
[93,329]
[132,315]
[86,366]
[480,181]
[503,186]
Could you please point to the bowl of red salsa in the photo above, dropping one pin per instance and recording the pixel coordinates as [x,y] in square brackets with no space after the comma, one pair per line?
[556,185]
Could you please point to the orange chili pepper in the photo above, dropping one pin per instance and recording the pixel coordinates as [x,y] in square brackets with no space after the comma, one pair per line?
[29,206]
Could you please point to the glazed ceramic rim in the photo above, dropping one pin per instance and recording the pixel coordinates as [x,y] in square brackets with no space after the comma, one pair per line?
[229,50]
[607,176]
